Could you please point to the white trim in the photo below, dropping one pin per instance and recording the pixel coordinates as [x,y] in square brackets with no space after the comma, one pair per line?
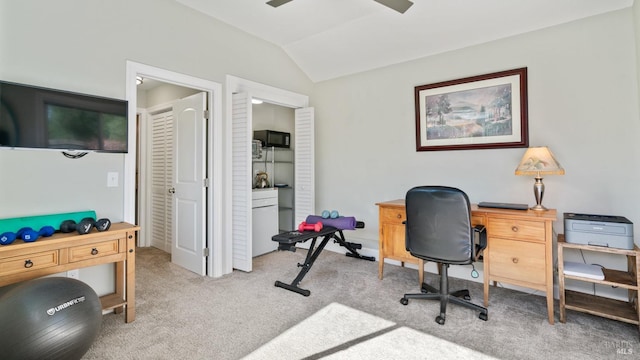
[143,240]
[268,93]
[214,153]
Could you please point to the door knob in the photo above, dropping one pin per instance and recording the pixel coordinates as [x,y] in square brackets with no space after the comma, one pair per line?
[172,190]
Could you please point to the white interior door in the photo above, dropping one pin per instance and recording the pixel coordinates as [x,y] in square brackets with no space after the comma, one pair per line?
[241,179]
[161,180]
[189,231]
[304,174]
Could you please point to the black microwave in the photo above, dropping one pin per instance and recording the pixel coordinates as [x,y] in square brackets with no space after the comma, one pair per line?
[273,138]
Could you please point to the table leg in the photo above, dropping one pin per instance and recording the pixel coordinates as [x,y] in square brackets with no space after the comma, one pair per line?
[130,311]
[550,306]
[486,278]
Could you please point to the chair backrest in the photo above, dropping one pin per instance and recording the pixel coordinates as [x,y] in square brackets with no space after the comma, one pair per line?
[438,226]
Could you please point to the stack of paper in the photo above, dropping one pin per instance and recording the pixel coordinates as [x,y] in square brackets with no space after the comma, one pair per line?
[583,270]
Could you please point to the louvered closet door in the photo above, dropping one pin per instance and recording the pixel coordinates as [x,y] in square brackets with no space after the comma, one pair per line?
[241,124]
[161,178]
[304,173]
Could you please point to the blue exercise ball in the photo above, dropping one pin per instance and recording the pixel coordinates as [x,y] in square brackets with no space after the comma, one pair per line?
[48,318]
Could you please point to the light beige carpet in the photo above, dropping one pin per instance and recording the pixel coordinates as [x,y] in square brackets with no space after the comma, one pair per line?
[181,315]
[339,332]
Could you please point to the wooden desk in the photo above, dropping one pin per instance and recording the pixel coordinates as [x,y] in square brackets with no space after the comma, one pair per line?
[519,246]
[22,261]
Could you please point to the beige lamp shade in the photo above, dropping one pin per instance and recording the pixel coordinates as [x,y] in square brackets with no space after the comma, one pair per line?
[539,161]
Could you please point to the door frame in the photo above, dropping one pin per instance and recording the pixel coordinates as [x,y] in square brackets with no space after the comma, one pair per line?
[260,91]
[214,200]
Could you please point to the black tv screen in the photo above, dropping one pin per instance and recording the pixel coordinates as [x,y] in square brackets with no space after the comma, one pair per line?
[41,118]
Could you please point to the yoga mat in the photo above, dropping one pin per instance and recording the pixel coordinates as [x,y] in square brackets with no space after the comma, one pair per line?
[38,221]
[342,223]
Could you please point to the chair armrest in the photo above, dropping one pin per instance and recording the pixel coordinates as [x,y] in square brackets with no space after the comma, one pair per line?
[479,248]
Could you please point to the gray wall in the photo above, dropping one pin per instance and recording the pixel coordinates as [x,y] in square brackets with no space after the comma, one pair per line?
[583,104]
[83,46]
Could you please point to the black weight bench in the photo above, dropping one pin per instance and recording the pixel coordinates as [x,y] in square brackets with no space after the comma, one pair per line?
[288,241]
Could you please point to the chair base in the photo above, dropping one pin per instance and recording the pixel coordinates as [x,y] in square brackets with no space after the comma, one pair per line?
[460,297]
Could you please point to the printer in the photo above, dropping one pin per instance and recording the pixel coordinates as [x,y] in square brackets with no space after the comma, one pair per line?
[598,230]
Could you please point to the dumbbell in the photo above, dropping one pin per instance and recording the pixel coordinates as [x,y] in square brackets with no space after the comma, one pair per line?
[85,225]
[27,234]
[310,227]
[333,214]
[7,238]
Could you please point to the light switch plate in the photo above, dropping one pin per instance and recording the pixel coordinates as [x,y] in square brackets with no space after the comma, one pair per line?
[112,179]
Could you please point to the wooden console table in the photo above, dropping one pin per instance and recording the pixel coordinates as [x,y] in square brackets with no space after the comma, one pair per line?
[519,246]
[22,261]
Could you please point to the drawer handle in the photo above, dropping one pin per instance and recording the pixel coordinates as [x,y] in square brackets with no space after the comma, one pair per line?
[515,260]
[94,251]
[399,216]
[514,228]
[28,263]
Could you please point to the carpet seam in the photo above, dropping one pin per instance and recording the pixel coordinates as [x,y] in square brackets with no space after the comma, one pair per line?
[351,343]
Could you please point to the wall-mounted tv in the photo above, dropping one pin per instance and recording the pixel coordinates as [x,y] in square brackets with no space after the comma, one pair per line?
[41,118]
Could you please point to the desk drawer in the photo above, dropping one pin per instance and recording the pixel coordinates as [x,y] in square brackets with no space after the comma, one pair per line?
[517,229]
[392,215]
[517,260]
[30,262]
[85,252]
[477,220]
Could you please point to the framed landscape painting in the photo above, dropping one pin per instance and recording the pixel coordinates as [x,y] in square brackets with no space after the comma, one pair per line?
[479,112]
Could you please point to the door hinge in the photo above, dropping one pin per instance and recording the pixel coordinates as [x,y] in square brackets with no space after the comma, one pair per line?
[206,182]
[205,252]
[206,114]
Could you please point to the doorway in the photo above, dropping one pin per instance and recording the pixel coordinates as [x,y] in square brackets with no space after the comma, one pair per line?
[240,92]
[212,236]
[156,102]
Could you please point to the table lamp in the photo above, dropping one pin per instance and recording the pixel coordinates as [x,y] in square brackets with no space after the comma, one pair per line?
[539,161]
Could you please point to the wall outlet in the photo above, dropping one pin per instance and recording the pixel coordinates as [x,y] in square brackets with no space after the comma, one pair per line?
[74,274]
[112,179]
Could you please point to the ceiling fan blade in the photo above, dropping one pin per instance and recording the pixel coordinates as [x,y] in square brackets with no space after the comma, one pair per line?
[398,5]
[276,3]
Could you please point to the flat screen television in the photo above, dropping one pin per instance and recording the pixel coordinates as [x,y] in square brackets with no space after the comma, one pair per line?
[40,118]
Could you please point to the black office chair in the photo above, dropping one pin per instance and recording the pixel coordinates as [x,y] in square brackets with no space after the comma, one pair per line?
[438,229]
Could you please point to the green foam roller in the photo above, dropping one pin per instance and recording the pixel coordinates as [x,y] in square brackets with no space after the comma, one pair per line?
[38,221]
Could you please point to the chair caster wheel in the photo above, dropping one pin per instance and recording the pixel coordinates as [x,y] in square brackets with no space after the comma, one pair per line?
[467,297]
[483,316]
[404,301]
[440,320]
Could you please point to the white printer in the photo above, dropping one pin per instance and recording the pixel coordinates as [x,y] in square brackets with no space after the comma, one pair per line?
[599,230]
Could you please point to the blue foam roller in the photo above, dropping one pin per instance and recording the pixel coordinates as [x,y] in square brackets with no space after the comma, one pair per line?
[38,221]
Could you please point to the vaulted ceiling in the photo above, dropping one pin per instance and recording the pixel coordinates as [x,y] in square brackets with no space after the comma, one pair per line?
[333,38]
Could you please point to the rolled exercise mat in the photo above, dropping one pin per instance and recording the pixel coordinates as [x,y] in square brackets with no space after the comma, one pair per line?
[38,221]
[342,223]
